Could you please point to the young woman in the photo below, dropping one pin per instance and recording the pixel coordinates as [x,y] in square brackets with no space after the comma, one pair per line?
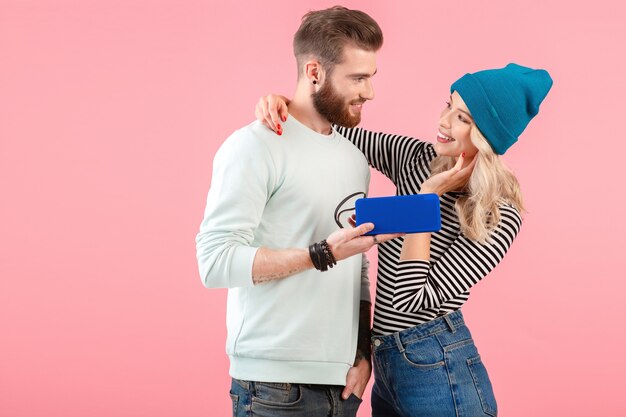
[424,359]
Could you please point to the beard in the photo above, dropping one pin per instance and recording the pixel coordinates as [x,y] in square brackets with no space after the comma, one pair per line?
[330,104]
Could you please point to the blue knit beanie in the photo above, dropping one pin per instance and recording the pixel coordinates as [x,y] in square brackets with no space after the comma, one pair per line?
[503,101]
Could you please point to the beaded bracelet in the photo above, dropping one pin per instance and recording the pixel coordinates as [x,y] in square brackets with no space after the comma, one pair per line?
[330,258]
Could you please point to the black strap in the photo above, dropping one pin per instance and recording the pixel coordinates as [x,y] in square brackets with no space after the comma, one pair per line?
[339,213]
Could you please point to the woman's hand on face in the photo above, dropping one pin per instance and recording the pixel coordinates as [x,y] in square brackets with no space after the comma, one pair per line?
[271,110]
[453,179]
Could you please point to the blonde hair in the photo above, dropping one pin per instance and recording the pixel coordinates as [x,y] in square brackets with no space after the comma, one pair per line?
[491,185]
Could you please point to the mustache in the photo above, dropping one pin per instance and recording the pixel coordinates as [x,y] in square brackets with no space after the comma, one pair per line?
[361,101]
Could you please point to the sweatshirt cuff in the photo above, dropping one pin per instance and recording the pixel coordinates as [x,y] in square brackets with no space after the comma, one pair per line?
[241,266]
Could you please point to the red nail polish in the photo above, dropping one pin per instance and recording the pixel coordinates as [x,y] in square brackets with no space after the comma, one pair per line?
[284,118]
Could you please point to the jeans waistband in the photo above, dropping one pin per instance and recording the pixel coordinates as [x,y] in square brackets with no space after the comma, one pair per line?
[450,322]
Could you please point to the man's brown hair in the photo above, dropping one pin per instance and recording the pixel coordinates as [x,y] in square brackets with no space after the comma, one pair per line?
[323,34]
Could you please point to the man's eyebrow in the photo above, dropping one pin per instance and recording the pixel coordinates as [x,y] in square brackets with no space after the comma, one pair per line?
[363,74]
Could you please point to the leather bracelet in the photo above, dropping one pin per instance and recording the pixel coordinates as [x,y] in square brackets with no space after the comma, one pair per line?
[314,257]
[323,259]
[321,256]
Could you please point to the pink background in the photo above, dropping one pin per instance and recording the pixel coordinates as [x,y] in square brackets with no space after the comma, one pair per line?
[111,112]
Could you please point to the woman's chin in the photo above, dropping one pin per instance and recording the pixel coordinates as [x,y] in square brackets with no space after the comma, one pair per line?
[443,150]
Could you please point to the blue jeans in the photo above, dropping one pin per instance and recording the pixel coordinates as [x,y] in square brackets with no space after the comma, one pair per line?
[431,370]
[267,399]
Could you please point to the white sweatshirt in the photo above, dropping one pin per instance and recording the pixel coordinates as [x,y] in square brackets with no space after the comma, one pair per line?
[282,192]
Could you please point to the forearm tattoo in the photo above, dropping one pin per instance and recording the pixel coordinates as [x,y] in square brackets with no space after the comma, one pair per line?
[273,277]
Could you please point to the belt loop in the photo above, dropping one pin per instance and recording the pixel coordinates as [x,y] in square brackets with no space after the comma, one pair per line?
[398,342]
[450,324]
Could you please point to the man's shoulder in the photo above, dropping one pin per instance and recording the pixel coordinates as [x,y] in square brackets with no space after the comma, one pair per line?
[250,138]
[253,132]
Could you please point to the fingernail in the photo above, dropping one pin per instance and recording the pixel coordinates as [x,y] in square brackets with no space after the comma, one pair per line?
[284,118]
[278,126]
[280,132]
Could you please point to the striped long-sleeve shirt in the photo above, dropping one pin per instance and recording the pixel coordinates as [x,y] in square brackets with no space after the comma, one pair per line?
[409,293]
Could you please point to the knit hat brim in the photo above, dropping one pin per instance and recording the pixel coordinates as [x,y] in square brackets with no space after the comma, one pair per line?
[484,113]
[503,101]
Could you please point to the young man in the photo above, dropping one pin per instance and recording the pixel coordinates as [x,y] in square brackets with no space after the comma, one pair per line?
[293,319]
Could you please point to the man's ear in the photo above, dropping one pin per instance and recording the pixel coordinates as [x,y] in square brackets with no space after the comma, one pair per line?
[314,72]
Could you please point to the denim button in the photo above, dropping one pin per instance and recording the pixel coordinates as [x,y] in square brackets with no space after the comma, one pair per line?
[377,342]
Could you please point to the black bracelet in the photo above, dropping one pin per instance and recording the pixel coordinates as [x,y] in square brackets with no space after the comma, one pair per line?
[319,261]
[314,258]
[321,256]
[323,259]
[330,258]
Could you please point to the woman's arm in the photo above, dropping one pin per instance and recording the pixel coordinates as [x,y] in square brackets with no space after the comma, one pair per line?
[420,285]
[385,152]
[388,153]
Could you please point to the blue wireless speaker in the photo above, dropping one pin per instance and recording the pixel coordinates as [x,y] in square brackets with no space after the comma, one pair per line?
[400,214]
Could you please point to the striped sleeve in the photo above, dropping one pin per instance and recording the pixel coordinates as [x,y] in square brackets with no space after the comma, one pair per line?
[385,152]
[420,285]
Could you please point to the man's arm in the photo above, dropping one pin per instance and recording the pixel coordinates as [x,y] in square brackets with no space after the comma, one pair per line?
[243,179]
[272,264]
[364,348]
[365,313]
[359,375]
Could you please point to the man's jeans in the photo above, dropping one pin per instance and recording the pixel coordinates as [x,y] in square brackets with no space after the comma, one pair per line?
[431,370]
[266,399]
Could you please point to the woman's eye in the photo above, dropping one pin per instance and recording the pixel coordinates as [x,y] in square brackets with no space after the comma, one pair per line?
[464,120]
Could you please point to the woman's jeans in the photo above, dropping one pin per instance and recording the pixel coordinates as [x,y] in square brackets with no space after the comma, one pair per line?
[431,370]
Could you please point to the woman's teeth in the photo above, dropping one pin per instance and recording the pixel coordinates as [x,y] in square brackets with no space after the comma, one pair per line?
[444,137]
